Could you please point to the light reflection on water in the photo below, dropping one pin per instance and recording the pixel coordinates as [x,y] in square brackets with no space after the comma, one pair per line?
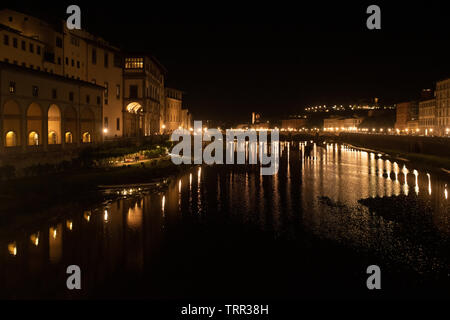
[126,235]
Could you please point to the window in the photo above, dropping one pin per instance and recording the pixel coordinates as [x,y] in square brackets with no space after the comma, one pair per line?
[94,56]
[6,40]
[67,61]
[33,139]
[35,91]
[12,87]
[86,137]
[106,122]
[75,41]
[117,60]
[134,63]
[68,137]
[118,124]
[73,63]
[118,91]
[59,60]
[106,93]
[54,95]
[70,96]
[99,101]
[31,48]
[133,91]
[11,139]
[38,50]
[106,60]
[59,42]
[24,45]
[78,64]
[15,42]
[88,99]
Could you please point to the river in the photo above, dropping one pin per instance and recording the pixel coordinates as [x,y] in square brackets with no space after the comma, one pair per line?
[224,231]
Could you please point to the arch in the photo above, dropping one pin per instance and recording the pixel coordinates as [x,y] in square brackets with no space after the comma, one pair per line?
[70,124]
[87,124]
[10,139]
[34,123]
[52,137]
[68,137]
[54,124]
[11,107]
[33,138]
[134,107]
[12,123]
[34,110]
[86,137]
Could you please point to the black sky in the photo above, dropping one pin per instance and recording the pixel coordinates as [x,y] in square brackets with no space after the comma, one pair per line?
[236,57]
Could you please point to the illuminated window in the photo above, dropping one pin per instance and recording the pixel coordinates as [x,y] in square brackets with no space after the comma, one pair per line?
[68,137]
[33,139]
[11,139]
[134,63]
[52,137]
[86,137]
[12,87]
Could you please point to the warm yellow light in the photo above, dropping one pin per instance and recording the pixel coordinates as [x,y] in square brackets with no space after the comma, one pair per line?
[35,239]
[12,249]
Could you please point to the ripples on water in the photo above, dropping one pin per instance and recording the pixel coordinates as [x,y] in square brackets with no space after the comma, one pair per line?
[355,199]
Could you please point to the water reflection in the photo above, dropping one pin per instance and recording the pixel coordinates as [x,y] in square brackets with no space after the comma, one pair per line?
[316,189]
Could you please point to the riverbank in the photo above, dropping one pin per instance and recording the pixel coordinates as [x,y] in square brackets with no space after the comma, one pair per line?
[430,153]
[30,198]
[420,161]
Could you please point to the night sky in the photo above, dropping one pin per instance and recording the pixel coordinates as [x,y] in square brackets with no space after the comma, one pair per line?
[276,58]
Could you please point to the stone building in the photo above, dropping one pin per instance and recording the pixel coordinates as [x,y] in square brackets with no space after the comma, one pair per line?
[144,98]
[293,123]
[443,106]
[407,115]
[186,119]
[76,54]
[134,100]
[427,116]
[42,111]
[173,113]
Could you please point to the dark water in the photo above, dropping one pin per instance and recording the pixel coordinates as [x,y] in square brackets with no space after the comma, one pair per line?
[228,232]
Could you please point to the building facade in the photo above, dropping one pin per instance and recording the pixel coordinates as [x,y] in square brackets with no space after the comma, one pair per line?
[42,112]
[407,115]
[293,124]
[443,106]
[427,116]
[74,54]
[173,114]
[340,123]
[144,98]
